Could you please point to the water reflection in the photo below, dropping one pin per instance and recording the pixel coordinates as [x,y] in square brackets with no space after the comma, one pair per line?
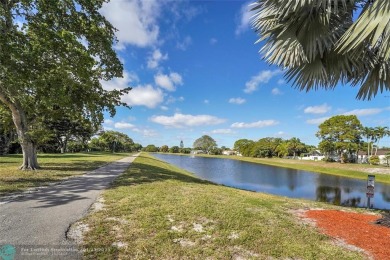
[282,181]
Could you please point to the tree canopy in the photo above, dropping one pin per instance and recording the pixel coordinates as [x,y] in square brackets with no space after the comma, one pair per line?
[205,143]
[321,43]
[55,54]
[340,133]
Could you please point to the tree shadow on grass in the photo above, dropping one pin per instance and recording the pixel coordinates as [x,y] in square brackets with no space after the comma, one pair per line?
[81,188]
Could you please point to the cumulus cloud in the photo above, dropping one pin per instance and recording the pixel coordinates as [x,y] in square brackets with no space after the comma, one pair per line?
[120,83]
[213,41]
[321,109]
[281,82]
[223,131]
[364,112]
[280,133]
[145,132]
[184,44]
[123,125]
[263,77]
[155,58]
[108,122]
[317,121]
[237,101]
[144,96]
[258,124]
[276,92]
[179,120]
[136,21]
[168,82]
[245,18]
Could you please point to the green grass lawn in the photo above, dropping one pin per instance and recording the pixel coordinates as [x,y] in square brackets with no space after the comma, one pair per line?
[54,168]
[157,211]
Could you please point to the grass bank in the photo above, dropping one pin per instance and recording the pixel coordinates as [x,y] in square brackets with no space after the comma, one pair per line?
[350,170]
[55,167]
[157,211]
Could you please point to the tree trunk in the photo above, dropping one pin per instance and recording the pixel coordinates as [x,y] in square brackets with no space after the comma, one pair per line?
[30,161]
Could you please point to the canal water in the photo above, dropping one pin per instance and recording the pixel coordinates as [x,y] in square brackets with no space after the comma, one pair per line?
[282,181]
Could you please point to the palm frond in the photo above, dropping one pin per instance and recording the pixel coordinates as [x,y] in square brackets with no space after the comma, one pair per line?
[371,27]
[309,76]
[377,79]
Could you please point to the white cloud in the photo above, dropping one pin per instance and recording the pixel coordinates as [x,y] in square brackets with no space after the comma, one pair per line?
[180,120]
[168,82]
[108,122]
[136,21]
[165,108]
[281,82]
[276,92]
[223,131]
[144,96]
[364,112]
[155,58]
[258,124]
[123,125]
[172,100]
[280,133]
[321,109]
[263,77]
[146,132]
[317,121]
[120,83]
[245,18]
[183,45]
[213,41]
[237,101]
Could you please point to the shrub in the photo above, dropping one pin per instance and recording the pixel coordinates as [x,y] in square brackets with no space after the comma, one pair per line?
[374,160]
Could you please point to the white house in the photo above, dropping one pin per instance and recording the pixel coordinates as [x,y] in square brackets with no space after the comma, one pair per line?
[381,153]
[229,152]
[315,155]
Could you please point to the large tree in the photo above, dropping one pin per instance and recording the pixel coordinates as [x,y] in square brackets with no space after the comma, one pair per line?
[342,133]
[55,53]
[321,43]
[295,146]
[116,141]
[205,143]
[244,146]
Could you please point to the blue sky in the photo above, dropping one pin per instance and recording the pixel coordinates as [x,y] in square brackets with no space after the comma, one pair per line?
[195,69]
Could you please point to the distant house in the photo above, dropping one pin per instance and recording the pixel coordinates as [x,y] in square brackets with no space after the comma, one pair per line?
[197,152]
[314,156]
[229,152]
[381,153]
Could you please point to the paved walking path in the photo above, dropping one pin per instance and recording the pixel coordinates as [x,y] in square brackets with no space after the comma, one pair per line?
[38,222]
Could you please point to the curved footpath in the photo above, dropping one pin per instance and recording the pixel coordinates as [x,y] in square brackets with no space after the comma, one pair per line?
[34,226]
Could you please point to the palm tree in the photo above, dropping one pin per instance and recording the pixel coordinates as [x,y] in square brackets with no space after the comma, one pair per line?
[295,145]
[380,132]
[368,132]
[319,44]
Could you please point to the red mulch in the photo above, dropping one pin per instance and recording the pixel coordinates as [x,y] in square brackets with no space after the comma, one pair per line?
[355,229]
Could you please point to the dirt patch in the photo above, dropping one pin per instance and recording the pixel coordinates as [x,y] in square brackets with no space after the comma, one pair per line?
[356,229]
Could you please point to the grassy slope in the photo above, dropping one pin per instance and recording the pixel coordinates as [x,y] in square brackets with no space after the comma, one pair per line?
[357,171]
[157,211]
[54,167]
